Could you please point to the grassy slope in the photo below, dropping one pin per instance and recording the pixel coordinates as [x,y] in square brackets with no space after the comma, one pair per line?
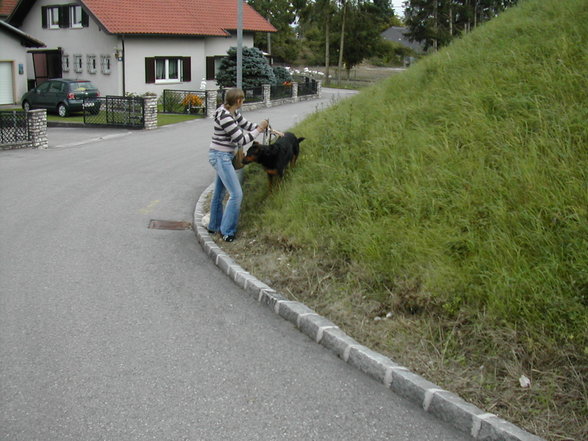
[459,191]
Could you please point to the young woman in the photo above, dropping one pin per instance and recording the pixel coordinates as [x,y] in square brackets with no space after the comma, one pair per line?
[231,130]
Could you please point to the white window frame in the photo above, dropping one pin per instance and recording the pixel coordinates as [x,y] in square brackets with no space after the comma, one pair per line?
[92,65]
[164,78]
[75,16]
[53,17]
[106,64]
[78,63]
[65,63]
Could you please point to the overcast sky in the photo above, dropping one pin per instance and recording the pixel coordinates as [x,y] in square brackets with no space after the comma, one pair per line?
[398,9]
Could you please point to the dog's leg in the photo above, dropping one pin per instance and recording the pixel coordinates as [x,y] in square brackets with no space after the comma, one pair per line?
[271,175]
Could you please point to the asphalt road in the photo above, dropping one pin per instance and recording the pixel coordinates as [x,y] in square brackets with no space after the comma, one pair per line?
[113,331]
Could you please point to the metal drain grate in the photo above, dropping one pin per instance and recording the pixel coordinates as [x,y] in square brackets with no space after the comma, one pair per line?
[169,225]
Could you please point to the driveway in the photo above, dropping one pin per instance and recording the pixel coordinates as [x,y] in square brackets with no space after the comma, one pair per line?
[110,330]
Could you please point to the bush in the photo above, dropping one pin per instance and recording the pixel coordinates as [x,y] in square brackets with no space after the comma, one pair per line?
[282,75]
[256,69]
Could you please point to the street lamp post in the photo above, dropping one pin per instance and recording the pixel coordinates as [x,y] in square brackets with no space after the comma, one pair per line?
[240,43]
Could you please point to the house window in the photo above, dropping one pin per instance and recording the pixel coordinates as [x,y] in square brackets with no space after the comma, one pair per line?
[64,16]
[78,63]
[163,70]
[53,17]
[75,16]
[105,63]
[91,60]
[65,63]
[167,70]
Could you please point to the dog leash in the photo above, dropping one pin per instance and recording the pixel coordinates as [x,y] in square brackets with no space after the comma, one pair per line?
[267,135]
[269,132]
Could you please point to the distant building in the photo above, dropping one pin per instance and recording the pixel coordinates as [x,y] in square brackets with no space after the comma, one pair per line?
[397,34]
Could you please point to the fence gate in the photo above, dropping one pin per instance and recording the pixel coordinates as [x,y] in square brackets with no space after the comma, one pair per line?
[115,111]
[14,127]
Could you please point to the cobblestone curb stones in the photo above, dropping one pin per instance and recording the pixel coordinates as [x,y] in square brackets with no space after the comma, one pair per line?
[442,404]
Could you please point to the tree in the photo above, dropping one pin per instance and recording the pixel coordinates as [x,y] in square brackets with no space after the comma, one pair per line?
[256,69]
[349,29]
[341,39]
[436,22]
[282,14]
[319,13]
[365,22]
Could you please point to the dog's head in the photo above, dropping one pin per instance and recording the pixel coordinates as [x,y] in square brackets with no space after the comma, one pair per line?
[252,153]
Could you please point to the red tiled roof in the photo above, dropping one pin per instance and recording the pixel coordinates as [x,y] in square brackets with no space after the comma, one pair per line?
[6,7]
[174,17]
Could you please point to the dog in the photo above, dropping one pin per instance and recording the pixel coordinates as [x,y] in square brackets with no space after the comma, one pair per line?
[274,158]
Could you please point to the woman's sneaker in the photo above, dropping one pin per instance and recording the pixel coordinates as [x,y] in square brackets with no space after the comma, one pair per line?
[228,238]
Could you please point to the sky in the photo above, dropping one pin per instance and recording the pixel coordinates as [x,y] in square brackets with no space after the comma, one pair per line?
[398,9]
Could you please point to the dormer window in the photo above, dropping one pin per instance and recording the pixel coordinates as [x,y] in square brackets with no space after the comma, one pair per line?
[64,16]
[75,16]
[53,17]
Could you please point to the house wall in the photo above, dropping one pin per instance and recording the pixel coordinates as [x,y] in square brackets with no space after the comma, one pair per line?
[83,41]
[197,48]
[13,84]
[93,40]
[137,49]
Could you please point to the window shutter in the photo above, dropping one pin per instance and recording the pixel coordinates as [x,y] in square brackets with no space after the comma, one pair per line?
[64,16]
[85,19]
[150,70]
[44,17]
[186,69]
[210,68]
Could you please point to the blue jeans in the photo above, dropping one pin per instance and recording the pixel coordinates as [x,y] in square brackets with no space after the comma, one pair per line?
[225,221]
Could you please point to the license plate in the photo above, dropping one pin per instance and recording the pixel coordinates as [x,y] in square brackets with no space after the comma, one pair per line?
[92,104]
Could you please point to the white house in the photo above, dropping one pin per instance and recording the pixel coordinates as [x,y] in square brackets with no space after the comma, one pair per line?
[13,62]
[131,46]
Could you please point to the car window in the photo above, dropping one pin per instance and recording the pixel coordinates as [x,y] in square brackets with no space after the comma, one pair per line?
[55,87]
[44,87]
[81,86]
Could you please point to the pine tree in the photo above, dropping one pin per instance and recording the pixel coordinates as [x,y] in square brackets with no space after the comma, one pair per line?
[256,69]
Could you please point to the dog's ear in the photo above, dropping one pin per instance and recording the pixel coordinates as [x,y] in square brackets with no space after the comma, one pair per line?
[301,139]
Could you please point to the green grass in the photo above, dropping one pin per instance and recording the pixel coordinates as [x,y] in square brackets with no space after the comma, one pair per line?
[458,192]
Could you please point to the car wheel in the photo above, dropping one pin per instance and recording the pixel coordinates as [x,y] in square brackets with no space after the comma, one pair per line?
[62,110]
[26,106]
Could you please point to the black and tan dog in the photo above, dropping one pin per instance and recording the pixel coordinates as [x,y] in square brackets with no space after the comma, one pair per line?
[275,157]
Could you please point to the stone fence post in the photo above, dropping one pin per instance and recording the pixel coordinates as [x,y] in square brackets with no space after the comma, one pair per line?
[150,103]
[38,128]
[211,103]
[267,95]
[295,91]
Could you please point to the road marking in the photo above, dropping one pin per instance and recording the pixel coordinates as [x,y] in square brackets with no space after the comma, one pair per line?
[90,141]
[149,208]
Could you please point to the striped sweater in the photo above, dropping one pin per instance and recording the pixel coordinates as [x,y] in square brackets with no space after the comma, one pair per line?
[231,132]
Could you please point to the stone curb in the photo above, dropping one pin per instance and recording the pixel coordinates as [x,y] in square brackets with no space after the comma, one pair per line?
[443,404]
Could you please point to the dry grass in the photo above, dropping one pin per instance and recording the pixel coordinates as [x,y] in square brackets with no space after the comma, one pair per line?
[551,407]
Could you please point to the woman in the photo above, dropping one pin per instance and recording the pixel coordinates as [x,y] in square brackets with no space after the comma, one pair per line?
[231,131]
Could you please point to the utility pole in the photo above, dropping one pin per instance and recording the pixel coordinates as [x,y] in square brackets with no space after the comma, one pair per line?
[240,44]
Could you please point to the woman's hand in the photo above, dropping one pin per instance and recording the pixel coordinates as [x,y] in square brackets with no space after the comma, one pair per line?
[263,125]
[275,132]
